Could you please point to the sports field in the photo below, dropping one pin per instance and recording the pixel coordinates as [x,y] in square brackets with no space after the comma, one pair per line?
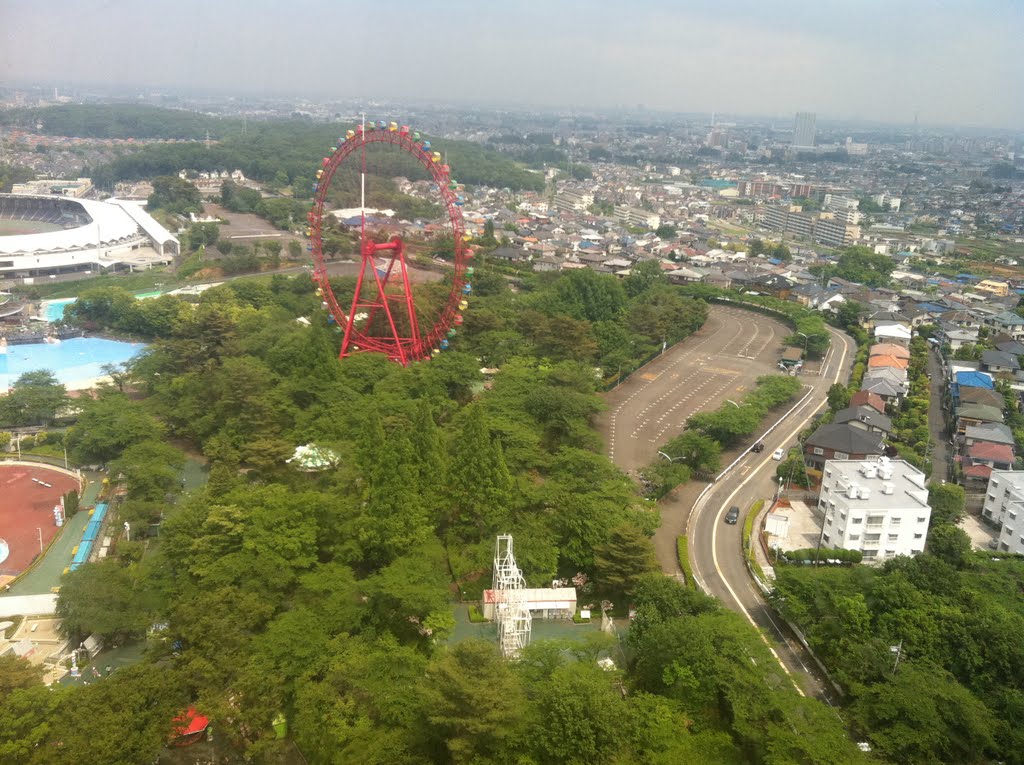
[26,512]
[10,227]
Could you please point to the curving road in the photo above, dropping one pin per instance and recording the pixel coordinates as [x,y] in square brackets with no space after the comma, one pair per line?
[720,362]
[716,548]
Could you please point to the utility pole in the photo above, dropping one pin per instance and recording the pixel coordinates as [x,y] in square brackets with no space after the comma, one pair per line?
[898,650]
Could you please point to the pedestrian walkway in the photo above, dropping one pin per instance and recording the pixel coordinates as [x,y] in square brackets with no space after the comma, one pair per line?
[47,572]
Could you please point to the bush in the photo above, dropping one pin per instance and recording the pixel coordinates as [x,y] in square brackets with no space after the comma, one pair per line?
[827,556]
[579,619]
[476,616]
[683,552]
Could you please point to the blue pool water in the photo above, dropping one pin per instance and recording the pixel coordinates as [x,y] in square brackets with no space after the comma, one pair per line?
[55,308]
[72,361]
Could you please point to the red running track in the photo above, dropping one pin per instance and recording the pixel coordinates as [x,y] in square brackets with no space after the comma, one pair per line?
[27,507]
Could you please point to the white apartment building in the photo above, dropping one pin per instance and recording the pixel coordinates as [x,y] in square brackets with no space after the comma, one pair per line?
[1004,502]
[878,506]
[573,200]
[633,216]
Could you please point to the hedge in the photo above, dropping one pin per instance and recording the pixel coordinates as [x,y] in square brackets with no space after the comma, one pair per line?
[683,551]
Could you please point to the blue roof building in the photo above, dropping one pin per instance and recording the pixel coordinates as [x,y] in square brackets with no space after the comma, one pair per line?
[974,380]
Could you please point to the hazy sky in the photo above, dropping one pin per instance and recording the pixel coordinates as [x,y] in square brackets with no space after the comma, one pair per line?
[952,62]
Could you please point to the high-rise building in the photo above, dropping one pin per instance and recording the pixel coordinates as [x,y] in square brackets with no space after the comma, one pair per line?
[803,129]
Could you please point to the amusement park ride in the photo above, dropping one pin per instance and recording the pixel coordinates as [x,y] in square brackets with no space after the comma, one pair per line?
[382,316]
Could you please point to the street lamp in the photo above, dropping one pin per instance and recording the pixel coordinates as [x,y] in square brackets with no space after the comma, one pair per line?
[805,344]
[730,401]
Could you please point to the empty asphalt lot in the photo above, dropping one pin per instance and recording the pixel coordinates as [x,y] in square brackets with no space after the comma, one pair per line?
[720,362]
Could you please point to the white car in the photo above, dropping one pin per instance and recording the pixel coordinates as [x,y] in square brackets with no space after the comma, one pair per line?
[778,454]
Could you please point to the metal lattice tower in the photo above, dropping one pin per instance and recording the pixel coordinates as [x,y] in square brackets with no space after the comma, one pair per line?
[511,612]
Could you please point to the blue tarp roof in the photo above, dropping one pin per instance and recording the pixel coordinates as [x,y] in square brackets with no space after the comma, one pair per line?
[974,380]
[932,307]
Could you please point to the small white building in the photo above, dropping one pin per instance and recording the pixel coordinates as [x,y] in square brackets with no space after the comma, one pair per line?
[1004,504]
[546,603]
[878,506]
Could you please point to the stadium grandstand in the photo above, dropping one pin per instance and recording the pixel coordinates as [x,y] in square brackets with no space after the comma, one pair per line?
[49,235]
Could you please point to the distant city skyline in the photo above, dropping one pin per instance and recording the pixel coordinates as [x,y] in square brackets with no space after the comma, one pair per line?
[950,64]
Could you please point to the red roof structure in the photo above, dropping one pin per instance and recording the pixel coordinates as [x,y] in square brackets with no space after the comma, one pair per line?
[867,398]
[888,361]
[189,727]
[990,452]
[889,349]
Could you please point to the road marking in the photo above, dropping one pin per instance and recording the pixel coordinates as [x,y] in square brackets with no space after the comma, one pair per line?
[744,482]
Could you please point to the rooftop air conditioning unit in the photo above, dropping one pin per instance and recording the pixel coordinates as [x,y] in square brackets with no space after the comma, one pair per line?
[853,491]
[869,469]
[888,488]
[865,492]
[885,472]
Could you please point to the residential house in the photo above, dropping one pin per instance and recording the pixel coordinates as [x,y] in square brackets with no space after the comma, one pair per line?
[992,456]
[867,398]
[887,361]
[974,379]
[1007,323]
[889,391]
[968,395]
[890,349]
[865,418]
[975,414]
[893,333]
[879,507]
[511,254]
[956,338]
[989,432]
[841,442]
[999,362]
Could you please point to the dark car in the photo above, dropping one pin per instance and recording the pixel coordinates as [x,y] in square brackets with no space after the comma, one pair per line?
[757,448]
[733,515]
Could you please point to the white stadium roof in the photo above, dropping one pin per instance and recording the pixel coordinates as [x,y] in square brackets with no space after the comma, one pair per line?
[110,224]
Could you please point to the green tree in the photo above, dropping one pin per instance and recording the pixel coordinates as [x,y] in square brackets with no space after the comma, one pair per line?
[479,485]
[580,717]
[700,452]
[150,468]
[109,424]
[948,502]
[951,544]
[643,276]
[104,598]
[17,673]
[623,559]
[838,397]
[924,715]
[36,399]
[474,702]
[124,720]
[175,195]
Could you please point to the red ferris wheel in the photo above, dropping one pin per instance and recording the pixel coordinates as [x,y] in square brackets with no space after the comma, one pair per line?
[382,315]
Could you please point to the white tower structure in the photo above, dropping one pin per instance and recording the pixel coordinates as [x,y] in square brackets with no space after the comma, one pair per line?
[513,616]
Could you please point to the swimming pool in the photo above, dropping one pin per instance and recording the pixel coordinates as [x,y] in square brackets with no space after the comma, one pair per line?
[74,362]
[53,310]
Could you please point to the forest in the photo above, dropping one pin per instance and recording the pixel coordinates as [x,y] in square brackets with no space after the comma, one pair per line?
[288,152]
[326,597]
